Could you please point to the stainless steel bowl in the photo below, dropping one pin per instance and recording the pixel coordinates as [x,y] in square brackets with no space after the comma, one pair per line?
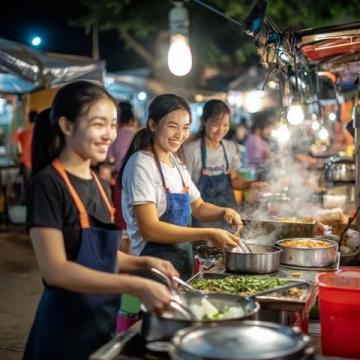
[340,170]
[309,257]
[262,260]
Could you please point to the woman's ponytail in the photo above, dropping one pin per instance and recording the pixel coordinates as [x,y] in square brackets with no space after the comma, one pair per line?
[46,142]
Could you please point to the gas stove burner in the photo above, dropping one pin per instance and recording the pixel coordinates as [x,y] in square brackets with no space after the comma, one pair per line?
[158,346]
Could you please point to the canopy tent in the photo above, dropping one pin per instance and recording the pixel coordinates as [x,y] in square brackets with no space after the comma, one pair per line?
[23,69]
[335,49]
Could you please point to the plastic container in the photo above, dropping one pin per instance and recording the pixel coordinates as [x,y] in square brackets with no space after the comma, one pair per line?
[339,300]
[128,314]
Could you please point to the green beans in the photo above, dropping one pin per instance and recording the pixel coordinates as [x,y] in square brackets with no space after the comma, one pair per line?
[243,285]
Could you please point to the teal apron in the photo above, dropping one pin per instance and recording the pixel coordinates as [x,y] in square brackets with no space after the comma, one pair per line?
[178,212]
[71,325]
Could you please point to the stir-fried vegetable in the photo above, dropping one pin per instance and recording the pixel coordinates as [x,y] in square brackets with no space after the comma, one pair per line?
[206,311]
[243,285]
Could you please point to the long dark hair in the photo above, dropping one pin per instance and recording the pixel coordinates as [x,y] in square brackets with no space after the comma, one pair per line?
[212,109]
[161,106]
[71,101]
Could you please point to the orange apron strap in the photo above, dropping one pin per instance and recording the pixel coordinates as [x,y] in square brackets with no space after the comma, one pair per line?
[104,196]
[84,218]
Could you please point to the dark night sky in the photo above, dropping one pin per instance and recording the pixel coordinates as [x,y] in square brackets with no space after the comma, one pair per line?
[21,20]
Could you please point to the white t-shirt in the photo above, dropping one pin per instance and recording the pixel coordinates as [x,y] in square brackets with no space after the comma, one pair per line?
[215,159]
[142,183]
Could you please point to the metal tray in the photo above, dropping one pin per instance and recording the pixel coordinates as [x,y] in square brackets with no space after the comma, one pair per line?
[276,301]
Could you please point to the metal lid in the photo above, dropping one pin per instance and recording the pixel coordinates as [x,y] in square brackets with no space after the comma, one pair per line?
[243,340]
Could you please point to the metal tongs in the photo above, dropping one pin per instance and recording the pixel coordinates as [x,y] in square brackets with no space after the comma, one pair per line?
[245,248]
[176,302]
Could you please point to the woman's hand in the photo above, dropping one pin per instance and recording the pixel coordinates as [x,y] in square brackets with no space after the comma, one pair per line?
[257,188]
[154,295]
[223,239]
[259,185]
[164,266]
[233,218]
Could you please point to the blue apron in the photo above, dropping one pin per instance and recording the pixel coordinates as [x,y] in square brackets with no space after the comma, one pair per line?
[70,325]
[178,212]
[216,189]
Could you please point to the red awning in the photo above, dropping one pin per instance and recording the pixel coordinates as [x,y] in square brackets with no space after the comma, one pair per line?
[328,48]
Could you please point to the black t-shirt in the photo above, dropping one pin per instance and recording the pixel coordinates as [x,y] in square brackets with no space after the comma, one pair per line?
[49,204]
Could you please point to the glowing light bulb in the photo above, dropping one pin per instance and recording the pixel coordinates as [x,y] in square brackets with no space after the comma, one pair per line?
[332,116]
[179,56]
[323,134]
[281,133]
[36,41]
[315,125]
[295,114]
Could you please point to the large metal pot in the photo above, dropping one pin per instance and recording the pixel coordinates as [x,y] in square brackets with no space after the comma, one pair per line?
[163,327]
[255,340]
[308,256]
[340,170]
[262,260]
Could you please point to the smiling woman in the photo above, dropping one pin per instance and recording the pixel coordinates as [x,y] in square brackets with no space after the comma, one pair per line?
[158,195]
[70,221]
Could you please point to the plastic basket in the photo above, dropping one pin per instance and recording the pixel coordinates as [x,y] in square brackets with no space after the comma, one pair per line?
[339,300]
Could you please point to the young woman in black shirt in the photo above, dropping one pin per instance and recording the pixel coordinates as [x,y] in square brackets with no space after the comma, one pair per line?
[70,222]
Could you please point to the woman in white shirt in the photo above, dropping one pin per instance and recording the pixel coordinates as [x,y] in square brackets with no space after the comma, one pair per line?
[159,196]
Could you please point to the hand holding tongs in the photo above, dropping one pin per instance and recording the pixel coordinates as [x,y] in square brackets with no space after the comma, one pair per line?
[176,302]
[245,248]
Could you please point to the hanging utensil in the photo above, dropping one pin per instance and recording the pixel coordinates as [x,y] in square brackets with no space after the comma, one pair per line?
[350,221]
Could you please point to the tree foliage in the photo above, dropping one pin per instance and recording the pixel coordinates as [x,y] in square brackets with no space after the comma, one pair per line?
[215,41]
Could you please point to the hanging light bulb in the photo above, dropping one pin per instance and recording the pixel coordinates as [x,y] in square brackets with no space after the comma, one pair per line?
[323,134]
[281,132]
[315,125]
[179,55]
[295,113]
[332,116]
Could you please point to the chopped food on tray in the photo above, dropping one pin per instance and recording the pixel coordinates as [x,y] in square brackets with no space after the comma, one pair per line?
[244,285]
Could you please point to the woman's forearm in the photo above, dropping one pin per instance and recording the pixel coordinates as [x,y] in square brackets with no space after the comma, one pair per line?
[164,232]
[129,263]
[208,212]
[240,184]
[75,277]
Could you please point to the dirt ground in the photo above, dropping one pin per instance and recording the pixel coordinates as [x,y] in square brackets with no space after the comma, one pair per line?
[20,289]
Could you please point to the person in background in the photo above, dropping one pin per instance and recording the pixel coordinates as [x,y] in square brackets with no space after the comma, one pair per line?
[23,139]
[257,144]
[241,132]
[70,222]
[213,162]
[127,126]
[159,195]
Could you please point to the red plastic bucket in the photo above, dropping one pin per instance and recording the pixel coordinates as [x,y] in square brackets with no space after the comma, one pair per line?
[339,299]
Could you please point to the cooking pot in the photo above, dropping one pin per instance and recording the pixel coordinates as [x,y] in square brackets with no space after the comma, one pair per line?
[308,256]
[262,260]
[340,170]
[164,326]
[255,340]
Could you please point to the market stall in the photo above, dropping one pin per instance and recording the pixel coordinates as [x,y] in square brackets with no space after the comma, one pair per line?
[28,81]
[300,229]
